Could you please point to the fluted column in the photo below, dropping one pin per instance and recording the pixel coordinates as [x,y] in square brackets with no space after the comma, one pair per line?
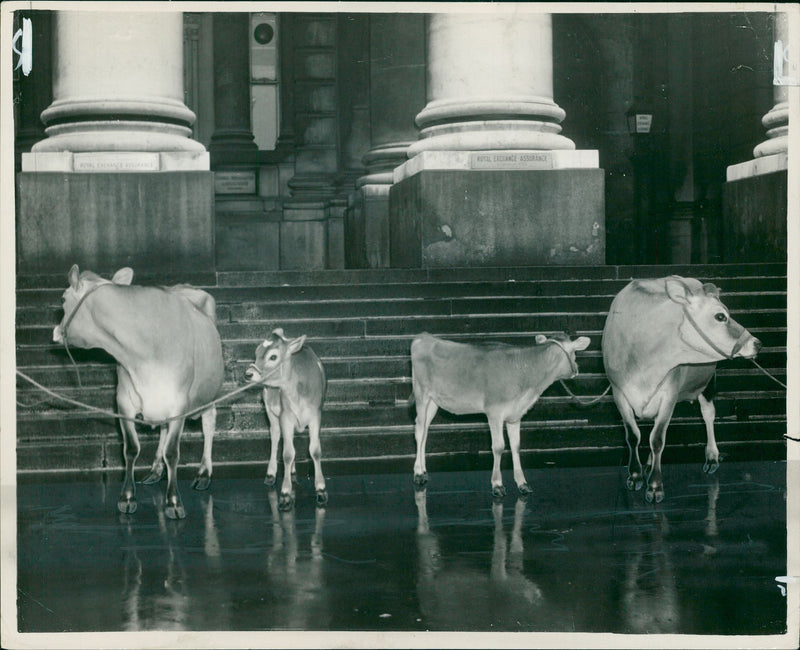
[776,121]
[118,84]
[490,84]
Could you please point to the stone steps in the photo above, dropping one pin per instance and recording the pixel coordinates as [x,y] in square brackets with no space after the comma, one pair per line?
[361,324]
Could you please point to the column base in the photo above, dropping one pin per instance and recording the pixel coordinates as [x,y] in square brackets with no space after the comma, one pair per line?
[763,165]
[159,222]
[367,228]
[454,218]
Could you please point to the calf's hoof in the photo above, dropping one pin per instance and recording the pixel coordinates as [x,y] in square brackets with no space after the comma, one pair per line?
[498,491]
[201,482]
[127,505]
[286,502]
[420,479]
[654,493]
[153,477]
[634,482]
[322,497]
[175,511]
[269,480]
[711,466]
[525,489]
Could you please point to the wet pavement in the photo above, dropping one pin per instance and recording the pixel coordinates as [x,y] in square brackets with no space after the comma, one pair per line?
[581,554]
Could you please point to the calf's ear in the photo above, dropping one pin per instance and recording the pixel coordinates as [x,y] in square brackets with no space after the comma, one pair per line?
[540,339]
[74,277]
[123,276]
[677,290]
[296,344]
[581,343]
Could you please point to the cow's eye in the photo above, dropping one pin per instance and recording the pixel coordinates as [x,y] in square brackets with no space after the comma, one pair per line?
[273,357]
[721,317]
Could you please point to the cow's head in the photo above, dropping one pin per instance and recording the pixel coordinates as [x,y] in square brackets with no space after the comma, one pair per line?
[81,285]
[567,365]
[707,325]
[271,366]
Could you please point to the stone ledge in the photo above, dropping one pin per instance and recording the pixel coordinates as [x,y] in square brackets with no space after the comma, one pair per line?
[758,166]
[115,161]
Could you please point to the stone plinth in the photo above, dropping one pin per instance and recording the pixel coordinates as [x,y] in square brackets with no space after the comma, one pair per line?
[102,221]
[754,218]
[452,218]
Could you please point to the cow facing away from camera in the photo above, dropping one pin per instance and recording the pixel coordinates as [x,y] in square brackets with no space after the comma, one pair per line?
[169,362]
[501,381]
[661,344]
[295,384]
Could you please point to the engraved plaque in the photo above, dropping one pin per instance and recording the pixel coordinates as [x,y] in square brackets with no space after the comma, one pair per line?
[116,161]
[511,160]
[227,182]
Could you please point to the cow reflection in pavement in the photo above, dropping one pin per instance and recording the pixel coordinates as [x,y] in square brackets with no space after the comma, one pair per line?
[454,598]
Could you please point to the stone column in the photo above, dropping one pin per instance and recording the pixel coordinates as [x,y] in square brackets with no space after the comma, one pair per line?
[34,91]
[490,121]
[397,91]
[776,121]
[118,85]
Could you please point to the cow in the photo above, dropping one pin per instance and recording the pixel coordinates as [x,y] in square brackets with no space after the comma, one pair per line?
[501,381]
[169,363]
[294,389]
[661,343]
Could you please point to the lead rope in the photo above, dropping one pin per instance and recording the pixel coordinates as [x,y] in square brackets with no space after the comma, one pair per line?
[120,416]
[576,398]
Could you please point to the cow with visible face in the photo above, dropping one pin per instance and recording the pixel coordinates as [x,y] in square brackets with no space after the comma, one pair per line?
[169,363]
[501,381]
[661,344]
[295,384]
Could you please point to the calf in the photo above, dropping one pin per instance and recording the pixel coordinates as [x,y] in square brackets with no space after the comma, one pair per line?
[169,363]
[294,381]
[502,382]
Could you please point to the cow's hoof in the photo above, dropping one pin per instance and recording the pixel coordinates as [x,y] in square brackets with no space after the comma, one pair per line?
[153,477]
[634,482]
[175,511]
[127,506]
[420,479]
[322,497]
[498,491]
[286,502]
[711,466]
[269,480]
[201,482]
[525,489]
[654,494]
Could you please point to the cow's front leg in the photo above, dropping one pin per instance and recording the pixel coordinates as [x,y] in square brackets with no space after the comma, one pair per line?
[173,504]
[655,482]
[426,411]
[272,403]
[514,442]
[157,470]
[287,487]
[498,447]
[632,438]
[209,423]
[315,451]
[709,412]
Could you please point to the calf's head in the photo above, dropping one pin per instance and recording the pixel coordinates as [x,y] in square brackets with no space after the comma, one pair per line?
[76,324]
[707,325]
[273,359]
[567,364]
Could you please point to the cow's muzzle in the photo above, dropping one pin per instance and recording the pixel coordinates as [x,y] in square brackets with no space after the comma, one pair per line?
[58,337]
[747,346]
[252,373]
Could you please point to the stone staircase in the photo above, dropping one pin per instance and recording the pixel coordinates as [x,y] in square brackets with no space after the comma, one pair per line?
[361,324]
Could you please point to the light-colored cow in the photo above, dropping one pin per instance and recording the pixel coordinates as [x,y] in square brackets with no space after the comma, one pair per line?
[661,344]
[295,384]
[169,362]
[501,381]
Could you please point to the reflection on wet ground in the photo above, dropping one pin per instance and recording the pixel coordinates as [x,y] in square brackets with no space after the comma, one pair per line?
[581,554]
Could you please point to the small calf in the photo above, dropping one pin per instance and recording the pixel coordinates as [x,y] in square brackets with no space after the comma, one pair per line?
[501,381]
[294,382]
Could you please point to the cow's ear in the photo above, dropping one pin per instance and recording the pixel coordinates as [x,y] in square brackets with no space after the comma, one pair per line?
[296,344]
[123,276]
[74,277]
[711,289]
[540,339]
[677,290]
[581,343]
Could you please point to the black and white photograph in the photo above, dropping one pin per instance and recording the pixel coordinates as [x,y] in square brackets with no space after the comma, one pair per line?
[262,262]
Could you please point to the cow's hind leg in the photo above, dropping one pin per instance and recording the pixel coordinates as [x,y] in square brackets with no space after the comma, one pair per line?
[513,441]
[315,451]
[272,403]
[131,448]
[658,436]
[173,505]
[157,470]
[632,437]
[709,412]
[426,411]
[209,423]
[498,447]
